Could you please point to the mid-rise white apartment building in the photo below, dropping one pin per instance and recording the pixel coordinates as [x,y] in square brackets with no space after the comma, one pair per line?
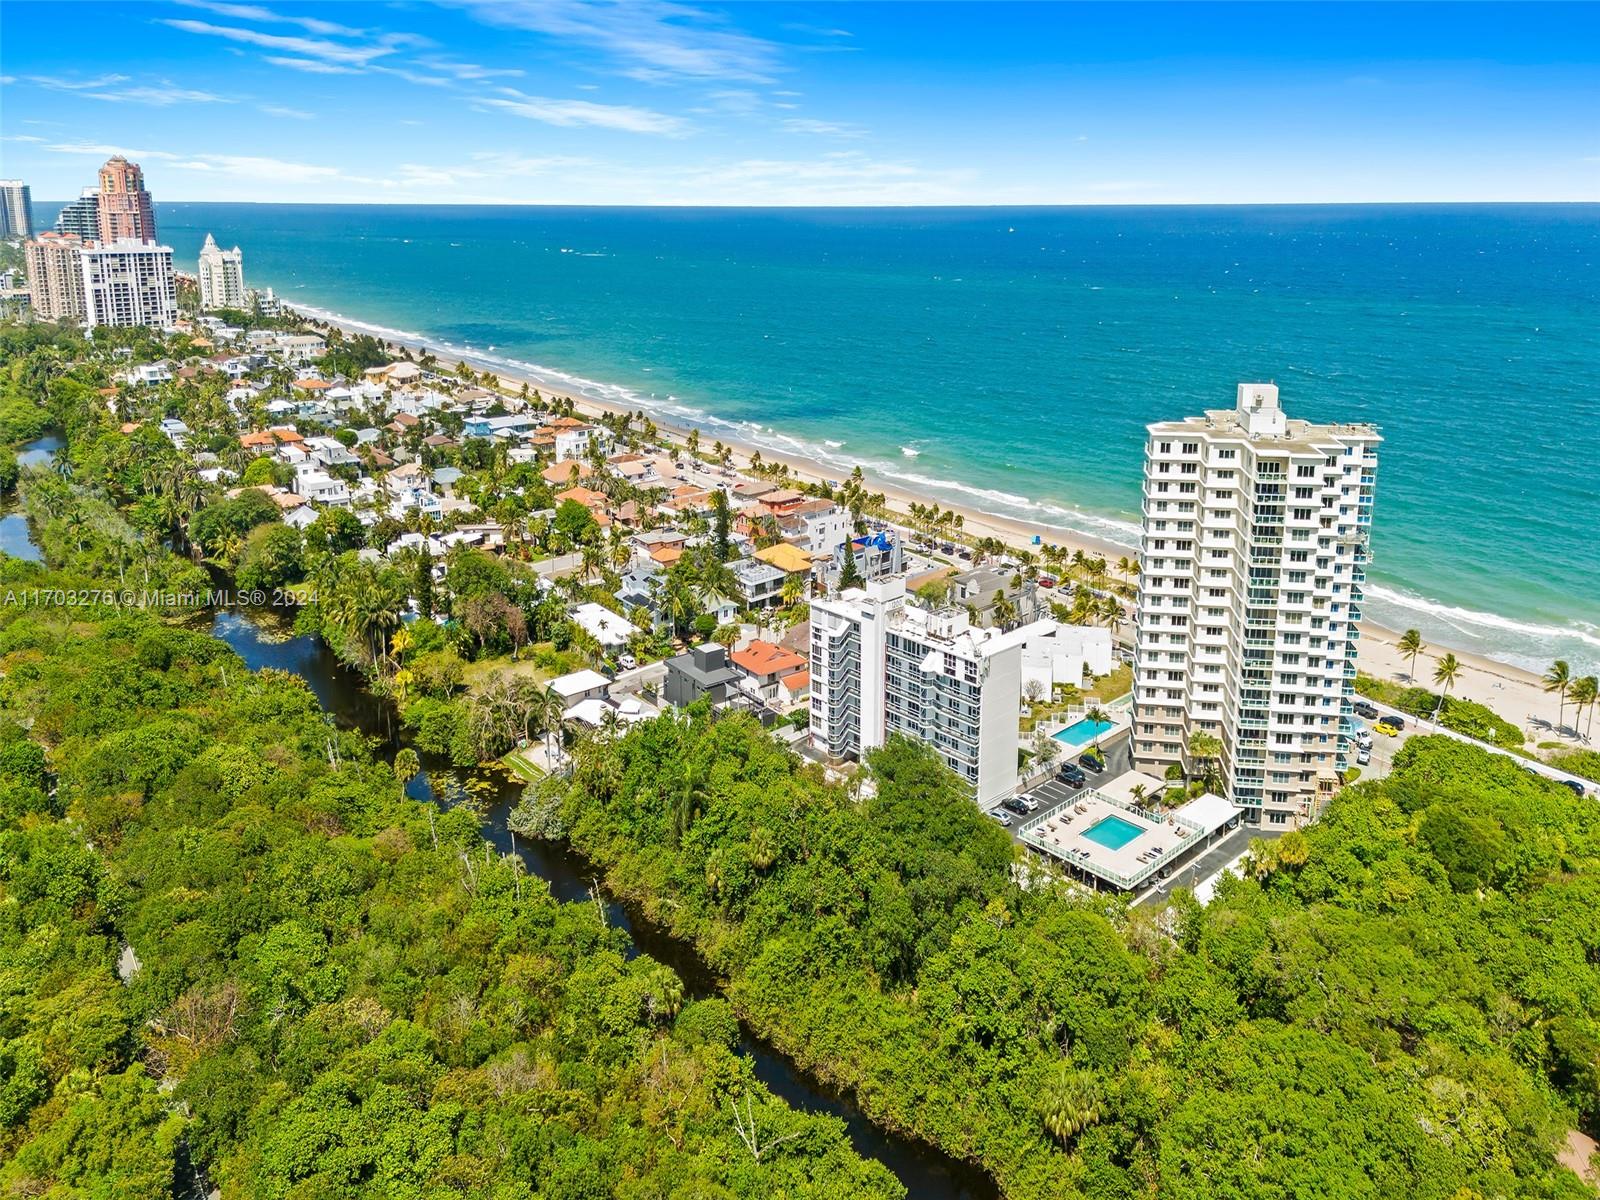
[222,277]
[1253,559]
[129,283]
[881,665]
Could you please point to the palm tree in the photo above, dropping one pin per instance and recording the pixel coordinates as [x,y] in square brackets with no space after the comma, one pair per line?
[1138,793]
[1069,1102]
[1445,674]
[1585,692]
[1411,645]
[1099,717]
[665,994]
[1206,750]
[1558,679]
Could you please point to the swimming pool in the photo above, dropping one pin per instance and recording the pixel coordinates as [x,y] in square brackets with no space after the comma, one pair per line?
[1082,731]
[1112,832]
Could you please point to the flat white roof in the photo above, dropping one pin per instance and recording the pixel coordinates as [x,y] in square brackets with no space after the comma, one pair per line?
[1208,813]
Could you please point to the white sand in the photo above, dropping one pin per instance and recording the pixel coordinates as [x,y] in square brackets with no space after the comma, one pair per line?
[1517,695]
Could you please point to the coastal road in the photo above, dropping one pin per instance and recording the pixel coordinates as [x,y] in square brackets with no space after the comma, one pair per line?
[1384,749]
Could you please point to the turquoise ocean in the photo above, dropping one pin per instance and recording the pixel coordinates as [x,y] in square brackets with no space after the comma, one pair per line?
[1009,359]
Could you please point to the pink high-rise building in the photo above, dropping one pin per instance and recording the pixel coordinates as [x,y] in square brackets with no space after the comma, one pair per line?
[126,212]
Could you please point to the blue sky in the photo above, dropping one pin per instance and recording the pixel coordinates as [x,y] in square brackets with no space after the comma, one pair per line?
[679,102]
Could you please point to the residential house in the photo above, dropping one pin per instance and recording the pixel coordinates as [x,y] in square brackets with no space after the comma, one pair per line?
[769,674]
[701,671]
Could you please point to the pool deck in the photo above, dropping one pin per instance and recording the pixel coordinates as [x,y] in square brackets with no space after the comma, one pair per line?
[1162,839]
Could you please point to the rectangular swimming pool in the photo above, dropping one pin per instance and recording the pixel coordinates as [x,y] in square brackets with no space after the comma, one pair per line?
[1082,732]
[1112,832]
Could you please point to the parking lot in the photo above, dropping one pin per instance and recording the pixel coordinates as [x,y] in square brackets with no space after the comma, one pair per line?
[1053,793]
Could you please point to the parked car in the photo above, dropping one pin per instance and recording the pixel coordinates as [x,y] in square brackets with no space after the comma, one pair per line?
[1071,773]
[1029,803]
[1003,818]
[1394,722]
[1363,756]
[1577,788]
[1092,762]
[1364,710]
[627,662]
[1387,730]
[1364,739]
[1047,581]
[1012,804]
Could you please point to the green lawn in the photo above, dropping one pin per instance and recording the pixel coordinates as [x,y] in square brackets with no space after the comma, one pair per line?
[520,765]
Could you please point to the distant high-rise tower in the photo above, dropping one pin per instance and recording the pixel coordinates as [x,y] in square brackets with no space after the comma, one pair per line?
[55,276]
[1251,570]
[16,209]
[126,213]
[82,216]
[221,276]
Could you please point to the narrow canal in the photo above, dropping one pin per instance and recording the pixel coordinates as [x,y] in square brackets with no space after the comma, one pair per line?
[263,638]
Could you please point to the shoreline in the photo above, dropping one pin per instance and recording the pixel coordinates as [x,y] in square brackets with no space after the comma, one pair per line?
[1515,693]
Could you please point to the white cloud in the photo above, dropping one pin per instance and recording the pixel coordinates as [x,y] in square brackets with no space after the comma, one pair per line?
[244,166]
[653,40]
[848,177]
[103,150]
[822,128]
[625,117]
[469,71]
[316,48]
[252,12]
[311,66]
[56,84]
[279,110]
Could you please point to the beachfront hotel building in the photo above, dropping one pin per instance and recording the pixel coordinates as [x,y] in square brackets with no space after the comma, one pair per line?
[125,210]
[881,665]
[1253,558]
[129,283]
[55,276]
[16,209]
[222,277]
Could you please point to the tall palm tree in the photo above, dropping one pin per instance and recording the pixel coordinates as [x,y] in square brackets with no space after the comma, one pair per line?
[1558,679]
[1411,645]
[1099,717]
[1585,692]
[1445,674]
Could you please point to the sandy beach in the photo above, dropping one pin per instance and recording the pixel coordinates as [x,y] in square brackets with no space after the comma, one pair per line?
[1517,695]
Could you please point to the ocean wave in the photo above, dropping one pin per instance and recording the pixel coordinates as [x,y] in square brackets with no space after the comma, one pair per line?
[1469,620]
[910,451]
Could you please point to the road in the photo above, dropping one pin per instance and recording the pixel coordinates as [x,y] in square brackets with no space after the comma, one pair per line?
[1384,748]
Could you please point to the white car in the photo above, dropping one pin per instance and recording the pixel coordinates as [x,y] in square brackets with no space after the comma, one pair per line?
[1364,756]
[627,662]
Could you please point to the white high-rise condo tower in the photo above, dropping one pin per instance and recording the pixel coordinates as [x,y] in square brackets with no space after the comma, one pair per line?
[222,277]
[1252,564]
[129,283]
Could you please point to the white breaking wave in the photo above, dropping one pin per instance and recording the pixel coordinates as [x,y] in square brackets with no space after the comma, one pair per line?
[1469,620]
[910,451]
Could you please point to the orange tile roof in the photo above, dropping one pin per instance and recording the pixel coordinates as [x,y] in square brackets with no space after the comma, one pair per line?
[766,658]
[311,385]
[585,497]
[666,555]
[561,472]
[798,682]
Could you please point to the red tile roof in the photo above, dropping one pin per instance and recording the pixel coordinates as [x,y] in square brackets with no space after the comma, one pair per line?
[765,658]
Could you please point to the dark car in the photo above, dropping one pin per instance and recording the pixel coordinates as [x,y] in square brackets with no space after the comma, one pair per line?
[1392,721]
[1073,775]
[1092,762]
[1364,710]
[1577,788]
[1012,804]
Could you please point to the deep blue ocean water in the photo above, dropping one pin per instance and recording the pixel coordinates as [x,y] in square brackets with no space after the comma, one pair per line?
[1010,358]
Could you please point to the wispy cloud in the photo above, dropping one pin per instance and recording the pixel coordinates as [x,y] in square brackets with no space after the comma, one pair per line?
[625,117]
[657,41]
[846,177]
[253,12]
[57,84]
[320,49]
[279,110]
[469,71]
[107,150]
[821,128]
[311,66]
